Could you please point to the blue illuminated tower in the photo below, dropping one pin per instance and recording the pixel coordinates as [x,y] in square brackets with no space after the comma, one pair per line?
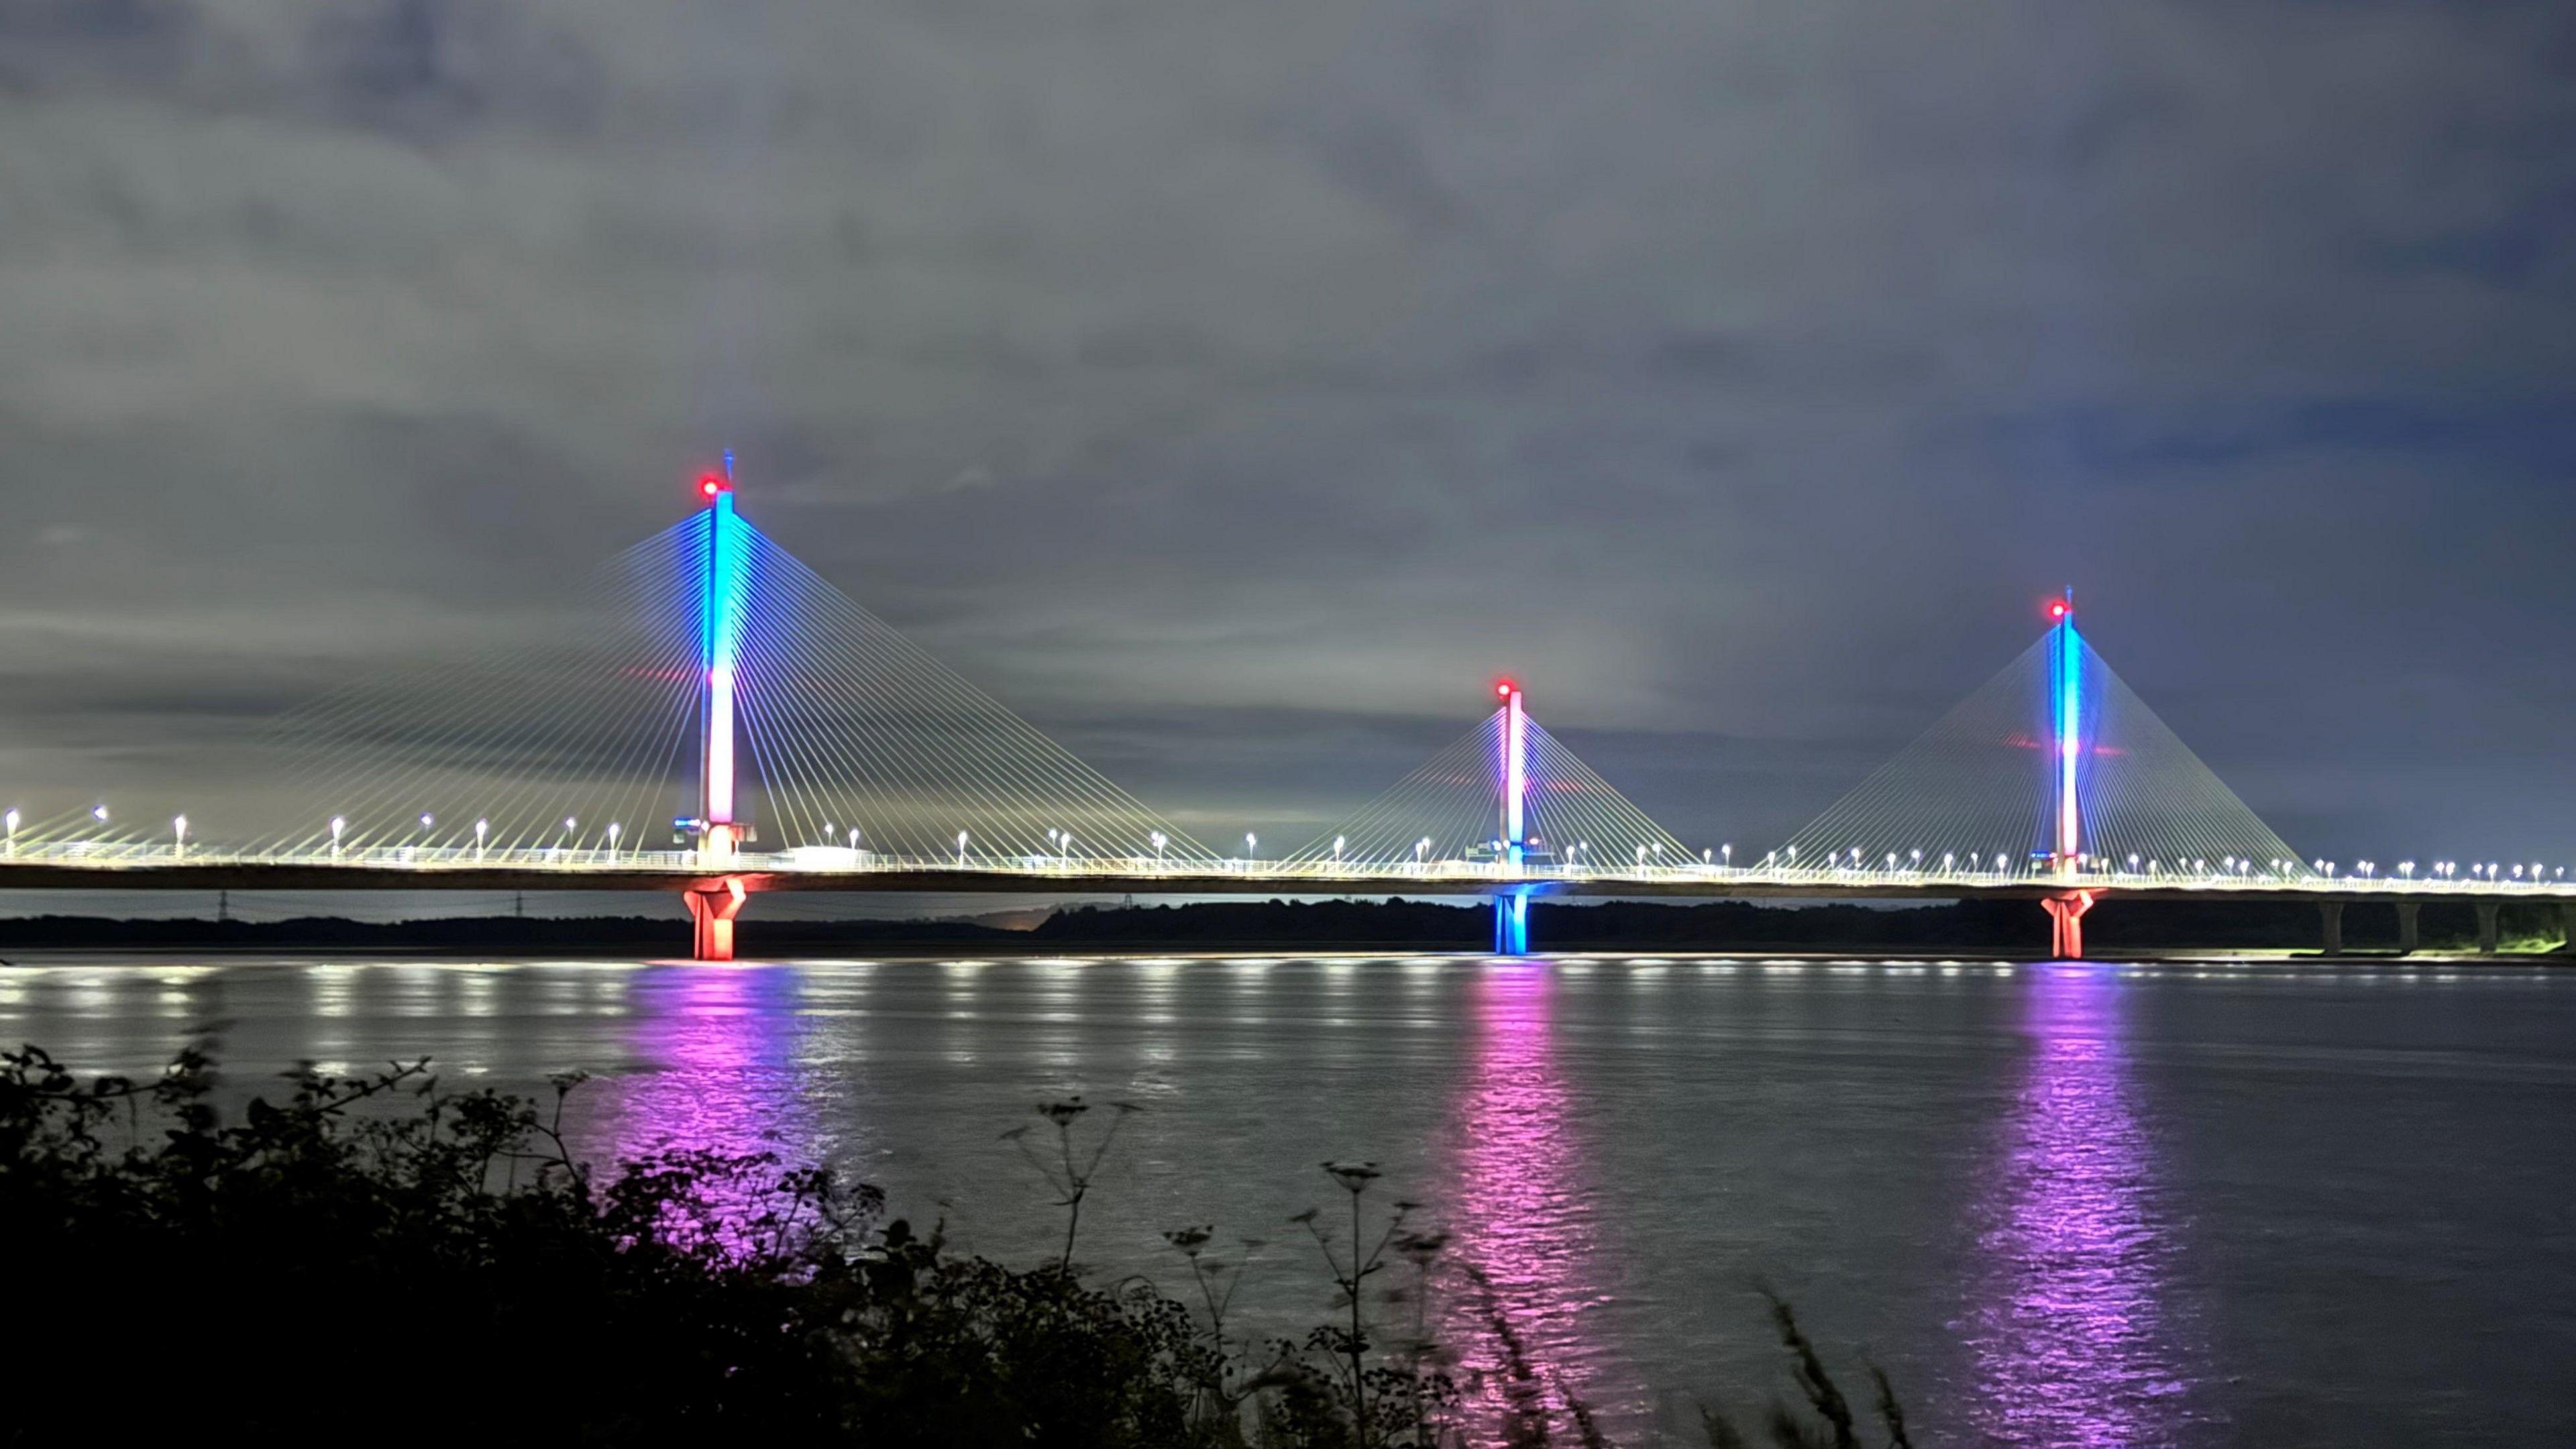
[2066,697]
[2066,708]
[1511,907]
[719,836]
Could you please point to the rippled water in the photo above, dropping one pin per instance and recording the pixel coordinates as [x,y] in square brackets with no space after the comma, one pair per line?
[2080,1205]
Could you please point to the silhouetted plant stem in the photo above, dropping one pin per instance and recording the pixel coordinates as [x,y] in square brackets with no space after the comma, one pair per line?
[1071,1183]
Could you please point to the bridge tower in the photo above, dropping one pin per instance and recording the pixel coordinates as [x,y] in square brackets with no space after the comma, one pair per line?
[1511,906]
[715,831]
[2067,726]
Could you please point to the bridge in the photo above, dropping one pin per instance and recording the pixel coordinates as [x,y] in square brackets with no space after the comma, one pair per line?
[729,682]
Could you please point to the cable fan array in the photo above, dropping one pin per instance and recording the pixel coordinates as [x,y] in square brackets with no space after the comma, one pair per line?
[1974,795]
[1449,811]
[853,737]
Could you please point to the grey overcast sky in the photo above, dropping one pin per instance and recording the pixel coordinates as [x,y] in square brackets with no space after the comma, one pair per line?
[1235,388]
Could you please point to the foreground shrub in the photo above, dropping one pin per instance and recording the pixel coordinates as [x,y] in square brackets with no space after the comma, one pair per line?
[372,1256]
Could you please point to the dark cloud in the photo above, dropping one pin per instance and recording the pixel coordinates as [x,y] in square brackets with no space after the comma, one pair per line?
[1235,388]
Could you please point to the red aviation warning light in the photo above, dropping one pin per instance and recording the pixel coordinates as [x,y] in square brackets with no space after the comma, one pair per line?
[711,484]
[2057,609]
[1503,688]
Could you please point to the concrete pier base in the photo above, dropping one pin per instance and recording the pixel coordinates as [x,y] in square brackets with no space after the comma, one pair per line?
[2488,935]
[2410,930]
[1511,924]
[712,908]
[2066,924]
[2330,914]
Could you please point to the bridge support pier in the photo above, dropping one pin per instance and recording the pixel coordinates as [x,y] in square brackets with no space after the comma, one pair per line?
[711,912]
[2331,914]
[2488,935]
[2066,924]
[1511,924]
[2567,925]
[2410,931]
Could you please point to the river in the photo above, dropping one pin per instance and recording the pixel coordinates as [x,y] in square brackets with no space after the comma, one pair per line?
[2185,1204]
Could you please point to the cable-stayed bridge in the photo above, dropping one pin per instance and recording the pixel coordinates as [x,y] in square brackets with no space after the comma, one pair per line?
[733,724]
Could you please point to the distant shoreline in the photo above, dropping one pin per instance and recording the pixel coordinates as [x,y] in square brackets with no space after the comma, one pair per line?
[2005,930]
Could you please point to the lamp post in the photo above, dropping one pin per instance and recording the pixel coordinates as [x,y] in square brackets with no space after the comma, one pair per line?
[339,824]
[481,828]
[1160,840]
[613,829]
[11,821]
[961,850]
[179,835]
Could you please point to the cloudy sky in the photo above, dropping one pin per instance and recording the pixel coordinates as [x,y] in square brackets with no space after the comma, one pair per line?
[1234,389]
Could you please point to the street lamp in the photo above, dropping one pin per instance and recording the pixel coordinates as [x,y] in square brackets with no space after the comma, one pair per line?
[570,825]
[613,828]
[338,825]
[1420,846]
[99,814]
[1338,842]
[854,837]
[11,821]
[179,834]
[1160,840]
[481,828]
[961,850]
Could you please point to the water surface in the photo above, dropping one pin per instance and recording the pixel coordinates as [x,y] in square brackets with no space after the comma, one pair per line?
[2078,1205]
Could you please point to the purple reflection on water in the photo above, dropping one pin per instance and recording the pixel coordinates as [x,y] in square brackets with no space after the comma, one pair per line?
[1520,1213]
[716,1073]
[2073,1335]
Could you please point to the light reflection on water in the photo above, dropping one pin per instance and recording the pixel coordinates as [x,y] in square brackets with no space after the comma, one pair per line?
[724,1079]
[2074,1340]
[1522,1284]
